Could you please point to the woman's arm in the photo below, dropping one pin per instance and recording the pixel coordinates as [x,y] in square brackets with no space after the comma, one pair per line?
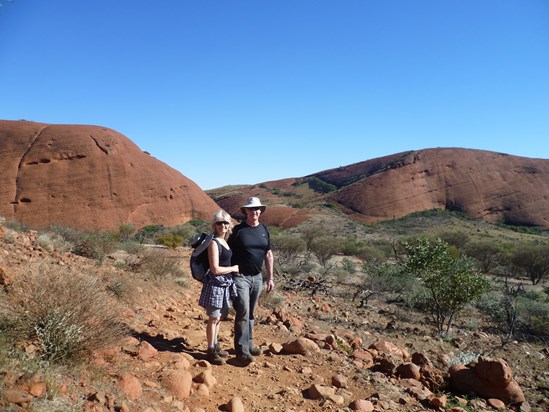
[213,257]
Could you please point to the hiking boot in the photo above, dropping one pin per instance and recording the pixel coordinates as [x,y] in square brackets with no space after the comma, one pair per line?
[221,352]
[255,351]
[214,358]
[244,358]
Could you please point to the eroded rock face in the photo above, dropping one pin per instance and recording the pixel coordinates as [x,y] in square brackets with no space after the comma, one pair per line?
[492,186]
[91,178]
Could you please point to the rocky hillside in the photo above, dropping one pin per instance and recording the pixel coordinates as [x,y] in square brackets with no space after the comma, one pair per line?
[321,352]
[89,177]
[491,186]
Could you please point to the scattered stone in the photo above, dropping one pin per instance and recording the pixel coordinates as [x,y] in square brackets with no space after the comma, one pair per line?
[275,348]
[384,346]
[301,346]
[131,386]
[206,377]
[147,351]
[178,382]
[496,404]
[437,401]
[235,405]
[17,397]
[420,359]
[339,381]
[320,391]
[408,370]
[362,405]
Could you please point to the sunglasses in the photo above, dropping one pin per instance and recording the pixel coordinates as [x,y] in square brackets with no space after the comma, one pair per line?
[253,208]
[222,223]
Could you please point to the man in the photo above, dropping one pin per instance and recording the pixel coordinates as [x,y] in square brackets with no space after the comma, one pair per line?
[251,246]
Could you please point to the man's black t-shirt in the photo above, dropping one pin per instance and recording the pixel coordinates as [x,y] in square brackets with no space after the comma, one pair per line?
[249,245]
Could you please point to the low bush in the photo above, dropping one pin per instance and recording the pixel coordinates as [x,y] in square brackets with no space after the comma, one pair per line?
[157,264]
[287,248]
[272,300]
[171,240]
[69,315]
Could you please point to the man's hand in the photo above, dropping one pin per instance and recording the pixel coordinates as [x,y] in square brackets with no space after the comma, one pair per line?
[270,285]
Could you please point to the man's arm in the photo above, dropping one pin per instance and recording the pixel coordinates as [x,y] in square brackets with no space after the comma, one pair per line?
[269,268]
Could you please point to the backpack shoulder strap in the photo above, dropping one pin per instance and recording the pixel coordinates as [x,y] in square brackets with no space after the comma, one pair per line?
[219,246]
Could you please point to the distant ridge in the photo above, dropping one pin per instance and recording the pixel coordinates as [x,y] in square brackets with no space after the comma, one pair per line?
[492,186]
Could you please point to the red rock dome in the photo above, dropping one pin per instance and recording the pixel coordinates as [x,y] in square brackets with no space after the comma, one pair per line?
[91,178]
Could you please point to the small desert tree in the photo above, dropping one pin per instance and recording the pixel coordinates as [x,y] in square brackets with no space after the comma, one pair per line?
[287,248]
[324,248]
[451,283]
[487,253]
[532,261]
[310,233]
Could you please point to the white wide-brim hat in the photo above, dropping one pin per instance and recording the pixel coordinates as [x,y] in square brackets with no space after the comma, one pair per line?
[200,242]
[253,202]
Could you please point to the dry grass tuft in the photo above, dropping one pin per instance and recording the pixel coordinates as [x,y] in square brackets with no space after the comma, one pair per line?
[67,314]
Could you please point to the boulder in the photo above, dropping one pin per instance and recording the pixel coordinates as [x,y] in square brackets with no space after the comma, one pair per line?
[488,378]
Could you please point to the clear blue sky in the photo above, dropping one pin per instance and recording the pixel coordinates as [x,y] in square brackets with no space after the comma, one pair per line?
[236,92]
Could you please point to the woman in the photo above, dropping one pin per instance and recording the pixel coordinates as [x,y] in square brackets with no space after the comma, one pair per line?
[218,288]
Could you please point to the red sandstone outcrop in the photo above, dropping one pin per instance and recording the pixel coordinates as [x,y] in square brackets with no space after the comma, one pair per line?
[492,186]
[90,177]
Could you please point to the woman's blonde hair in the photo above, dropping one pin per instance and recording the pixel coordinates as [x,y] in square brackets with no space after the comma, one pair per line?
[222,216]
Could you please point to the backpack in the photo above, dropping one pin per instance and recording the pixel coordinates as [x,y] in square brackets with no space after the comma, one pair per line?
[199,262]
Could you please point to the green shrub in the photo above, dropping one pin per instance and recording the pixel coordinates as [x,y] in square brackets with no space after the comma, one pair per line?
[452,283]
[386,278]
[310,233]
[132,247]
[533,316]
[457,239]
[348,265]
[324,248]
[349,246]
[531,261]
[370,254]
[94,245]
[320,186]
[148,233]
[126,231]
[287,248]
[170,240]
[17,226]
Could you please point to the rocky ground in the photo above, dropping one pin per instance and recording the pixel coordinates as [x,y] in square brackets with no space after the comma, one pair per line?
[321,353]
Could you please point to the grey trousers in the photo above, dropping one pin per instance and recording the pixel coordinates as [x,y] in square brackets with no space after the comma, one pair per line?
[249,289]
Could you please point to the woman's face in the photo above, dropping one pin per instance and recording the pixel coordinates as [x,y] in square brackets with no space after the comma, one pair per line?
[221,228]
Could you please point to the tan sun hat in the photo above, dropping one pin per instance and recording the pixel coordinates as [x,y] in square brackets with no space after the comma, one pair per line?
[253,202]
